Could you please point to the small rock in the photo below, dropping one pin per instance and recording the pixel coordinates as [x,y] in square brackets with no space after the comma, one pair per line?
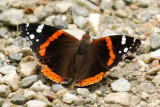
[83,91]
[7,69]
[81,22]
[155,41]
[12,80]
[128,2]
[146,87]
[155,54]
[102,89]
[60,93]
[29,94]
[121,85]
[11,49]
[153,71]
[51,96]
[93,97]
[18,99]
[59,23]
[142,104]
[14,57]
[9,17]
[141,64]
[79,11]
[79,102]
[118,4]
[122,98]
[155,63]
[98,92]
[94,21]
[105,4]
[158,17]
[57,87]
[32,19]
[28,81]
[144,96]
[39,86]
[144,47]
[43,98]
[121,13]
[4,90]
[62,6]
[29,68]
[143,3]
[88,4]
[1,101]
[3,32]
[156,80]
[36,103]
[68,98]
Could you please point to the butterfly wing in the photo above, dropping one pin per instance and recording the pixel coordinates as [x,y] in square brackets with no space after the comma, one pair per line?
[54,48]
[104,54]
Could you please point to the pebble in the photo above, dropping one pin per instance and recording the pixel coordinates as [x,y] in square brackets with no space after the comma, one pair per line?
[155,41]
[36,103]
[155,63]
[144,48]
[94,22]
[81,22]
[4,90]
[122,98]
[141,64]
[105,4]
[27,69]
[118,4]
[40,96]
[1,101]
[18,99]
[121,85]
[79,102]
[11,49]
[14,57]
[156,80]
[153,71]
[32,19]
[7,69]
[3,32]
[93,98]
[142,104]
[57,87]
[143,3]
[98,92]
[144,96]
[68,98]
[59,23]
[155,54]
[12,80]
[51,96]
[9,17]
[134,7]
[121,13]
[28,81]
[61,6]
[146,87]
[157,16]
[29,94]
[83,91]
[79,11]
[60,93]
[39,86]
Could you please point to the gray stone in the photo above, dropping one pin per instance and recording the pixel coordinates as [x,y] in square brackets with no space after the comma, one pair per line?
[81,22]
[9,17]
[18,99]
[36,103]
[3,32]
[118,4]
[12,80]
[79,102]
[155,41]
[68,98]
[93,97]
[79,11]
[83,91]
[29,94]
[57,87]
[105,4]
[1,101]
[122,98]
[59,23]
[7,69]
[121,13]
[144,47]
[28,81]
[4,90]
[39,86]
[121,85]
[14,57]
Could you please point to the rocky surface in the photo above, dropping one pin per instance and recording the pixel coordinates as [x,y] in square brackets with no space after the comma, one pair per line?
[133,83]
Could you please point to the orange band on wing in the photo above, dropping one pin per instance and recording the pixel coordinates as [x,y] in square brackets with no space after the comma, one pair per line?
[43,47]
[51,75]
[92,80]
[111,52]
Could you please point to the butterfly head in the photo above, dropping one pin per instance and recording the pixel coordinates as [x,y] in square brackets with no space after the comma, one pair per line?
[86,36]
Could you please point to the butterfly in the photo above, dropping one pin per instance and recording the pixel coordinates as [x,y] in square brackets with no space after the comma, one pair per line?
[66,58]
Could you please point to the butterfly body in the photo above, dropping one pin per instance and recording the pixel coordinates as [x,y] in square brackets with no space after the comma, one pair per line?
[64,57]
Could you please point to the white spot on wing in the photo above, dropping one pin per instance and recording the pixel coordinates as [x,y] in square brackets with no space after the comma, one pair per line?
[125,49]
[27,24]
[120,51]
[31,36]
[134,40]
[27,32]
[39,29]
[123,40]
[37,40]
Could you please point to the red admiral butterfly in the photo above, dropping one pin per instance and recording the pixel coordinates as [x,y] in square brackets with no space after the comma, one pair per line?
[65,57]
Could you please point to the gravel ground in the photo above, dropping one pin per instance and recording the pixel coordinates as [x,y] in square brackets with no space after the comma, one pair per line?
[135,82]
